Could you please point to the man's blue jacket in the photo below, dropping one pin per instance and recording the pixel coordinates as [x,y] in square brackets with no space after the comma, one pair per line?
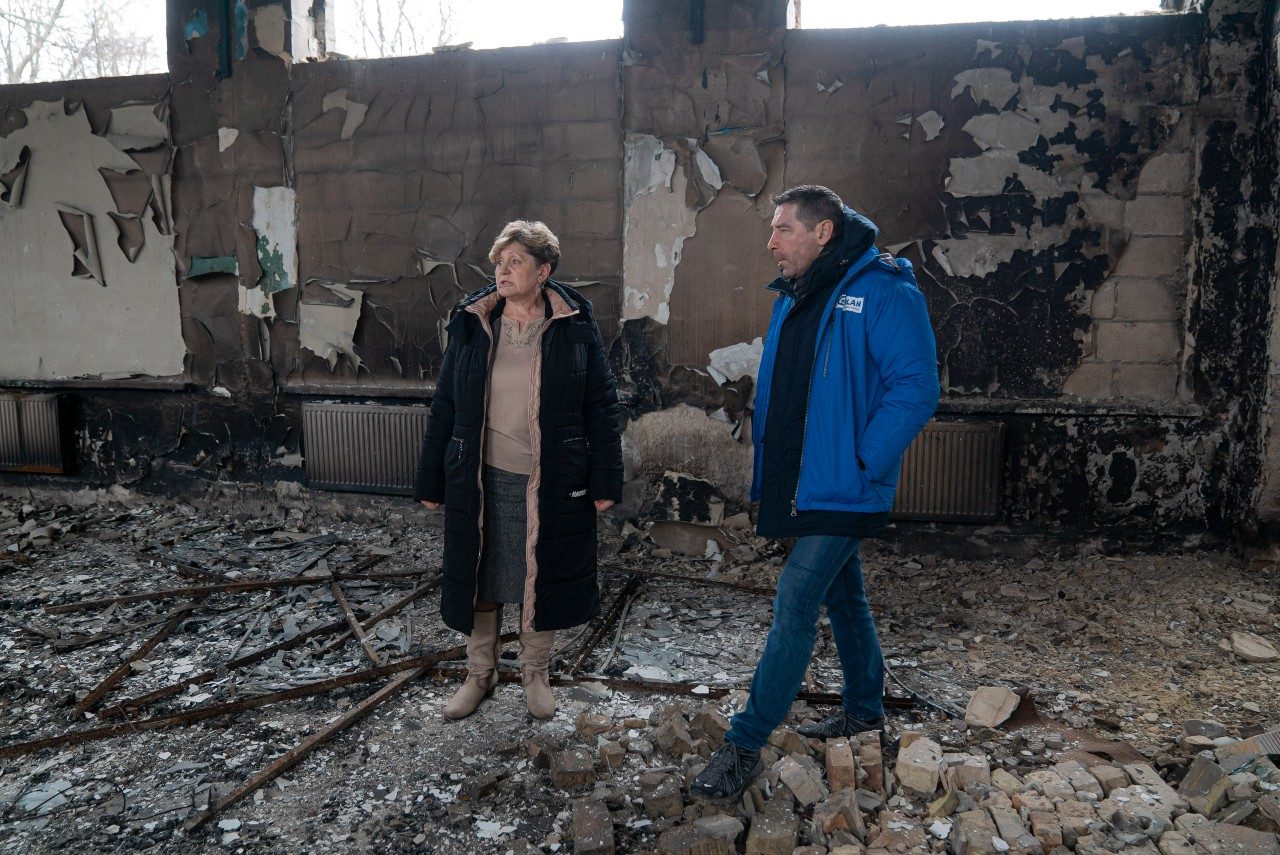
[874,385]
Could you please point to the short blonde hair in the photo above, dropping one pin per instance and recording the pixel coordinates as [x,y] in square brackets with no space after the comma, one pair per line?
[534,236]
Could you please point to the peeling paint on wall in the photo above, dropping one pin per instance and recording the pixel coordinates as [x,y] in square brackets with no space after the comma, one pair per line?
[327,318]
[355,111]
[275,223]
[658,219]
[55,327]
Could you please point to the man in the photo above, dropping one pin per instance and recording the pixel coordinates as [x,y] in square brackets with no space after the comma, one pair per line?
[848,378]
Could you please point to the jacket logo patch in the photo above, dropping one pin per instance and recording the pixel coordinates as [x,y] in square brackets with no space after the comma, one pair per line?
[849,304]
[577,494]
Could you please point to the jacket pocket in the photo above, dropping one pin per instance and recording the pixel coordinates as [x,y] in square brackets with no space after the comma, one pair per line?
[455,470]
[574,476]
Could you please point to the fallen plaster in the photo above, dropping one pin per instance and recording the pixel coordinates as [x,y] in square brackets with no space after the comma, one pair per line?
[355,111]
[687,439]
[275,222]
[226,137]
[657,221]
[130,327]
[327,318]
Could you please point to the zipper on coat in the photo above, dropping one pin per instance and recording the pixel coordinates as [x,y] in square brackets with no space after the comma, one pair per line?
[826,360]
[804,430]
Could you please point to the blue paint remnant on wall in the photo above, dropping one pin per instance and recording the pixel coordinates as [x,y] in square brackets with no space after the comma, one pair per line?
[242,29]
[197,25]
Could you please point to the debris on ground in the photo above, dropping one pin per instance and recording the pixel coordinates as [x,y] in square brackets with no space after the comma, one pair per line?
[265,672]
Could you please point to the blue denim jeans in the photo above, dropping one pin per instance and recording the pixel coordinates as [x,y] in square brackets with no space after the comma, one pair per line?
[820,571]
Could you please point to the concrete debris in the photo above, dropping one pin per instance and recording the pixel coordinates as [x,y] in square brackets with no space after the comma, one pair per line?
[1253,648]
[610,773]
[991,706]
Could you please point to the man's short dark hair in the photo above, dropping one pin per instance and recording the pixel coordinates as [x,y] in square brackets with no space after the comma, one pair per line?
[814,203]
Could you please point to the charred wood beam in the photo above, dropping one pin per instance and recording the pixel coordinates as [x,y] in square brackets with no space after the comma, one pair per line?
[77,737]
[229,588]
[299,752]
[372,621]
[663,687]
[122,670]
[710,583]
[260,655]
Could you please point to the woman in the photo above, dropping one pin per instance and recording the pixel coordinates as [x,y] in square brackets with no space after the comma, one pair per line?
[522,450]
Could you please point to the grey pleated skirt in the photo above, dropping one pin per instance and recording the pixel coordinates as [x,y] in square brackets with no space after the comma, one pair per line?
[502,564]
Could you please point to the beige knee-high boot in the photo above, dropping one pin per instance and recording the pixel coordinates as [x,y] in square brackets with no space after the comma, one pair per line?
[535,661]
[483,647]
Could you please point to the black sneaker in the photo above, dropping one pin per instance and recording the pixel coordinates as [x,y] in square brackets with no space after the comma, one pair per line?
[840,725]
[727,774]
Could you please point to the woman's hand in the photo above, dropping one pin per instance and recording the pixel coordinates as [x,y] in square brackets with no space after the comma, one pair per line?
[603,505]
[431,506]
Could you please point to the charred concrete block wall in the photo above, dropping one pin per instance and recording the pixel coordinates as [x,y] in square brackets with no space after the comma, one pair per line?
[1089,206]
[406,169]
[1041,176]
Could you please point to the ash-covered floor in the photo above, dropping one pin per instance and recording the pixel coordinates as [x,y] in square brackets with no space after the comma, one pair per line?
[1131,669]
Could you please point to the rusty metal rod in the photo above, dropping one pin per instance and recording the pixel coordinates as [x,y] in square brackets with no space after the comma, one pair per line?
[355,624]
[77,737]
[228,588]
[299,752]
[122,670]
[698,580]
[372,621]
[615,611]
[255,657]
[663,687]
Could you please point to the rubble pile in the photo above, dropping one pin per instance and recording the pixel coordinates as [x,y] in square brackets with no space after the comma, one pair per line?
[265,671]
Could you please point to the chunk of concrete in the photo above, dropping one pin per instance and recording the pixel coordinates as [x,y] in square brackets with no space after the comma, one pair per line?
[990,706]
[919,766]
[592,828]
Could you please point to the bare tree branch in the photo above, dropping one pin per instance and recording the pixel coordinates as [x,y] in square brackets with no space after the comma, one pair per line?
[43,43]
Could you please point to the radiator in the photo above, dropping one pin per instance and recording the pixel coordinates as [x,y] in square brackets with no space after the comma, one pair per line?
[951,473]
[364,448]
[30,434]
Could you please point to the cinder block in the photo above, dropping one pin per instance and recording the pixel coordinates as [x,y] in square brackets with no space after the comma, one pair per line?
[600,180]
[1102,209]
[1149,382]
[1103,304]
[603,140]
[1157,215]
[1166,173]
[1147,300]
[1143,341]
[1148,257]
[593,218]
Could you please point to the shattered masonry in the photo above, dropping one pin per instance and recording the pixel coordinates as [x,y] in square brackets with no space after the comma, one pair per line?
[1086,204]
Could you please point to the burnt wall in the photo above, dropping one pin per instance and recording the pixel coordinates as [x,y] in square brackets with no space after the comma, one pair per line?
[1089,205]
